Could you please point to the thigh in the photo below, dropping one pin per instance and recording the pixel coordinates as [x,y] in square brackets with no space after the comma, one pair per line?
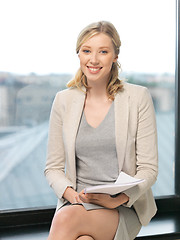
[104,223]
[100,224]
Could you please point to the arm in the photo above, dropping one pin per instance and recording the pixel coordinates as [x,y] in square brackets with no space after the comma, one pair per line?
[55,165]
[146,148]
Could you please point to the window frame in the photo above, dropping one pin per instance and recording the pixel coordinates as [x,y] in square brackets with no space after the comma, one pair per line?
[43,216]
[177,101]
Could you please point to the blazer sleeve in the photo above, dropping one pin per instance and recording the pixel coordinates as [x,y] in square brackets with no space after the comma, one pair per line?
[146,148]
[55,165]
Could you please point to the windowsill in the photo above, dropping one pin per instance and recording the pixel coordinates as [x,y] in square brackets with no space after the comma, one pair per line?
[163,225]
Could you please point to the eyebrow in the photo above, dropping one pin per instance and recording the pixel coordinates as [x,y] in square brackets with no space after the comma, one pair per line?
[85,46]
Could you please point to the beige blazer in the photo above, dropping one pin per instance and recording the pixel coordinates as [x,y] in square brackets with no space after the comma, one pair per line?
[136,144]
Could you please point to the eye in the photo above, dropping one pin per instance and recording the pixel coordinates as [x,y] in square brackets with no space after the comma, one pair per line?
[86,51]
[104,52]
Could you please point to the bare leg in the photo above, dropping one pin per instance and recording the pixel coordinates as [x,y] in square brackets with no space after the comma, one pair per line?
[74,222]
[85,238]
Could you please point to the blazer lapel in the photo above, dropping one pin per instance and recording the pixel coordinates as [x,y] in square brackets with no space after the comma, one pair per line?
[72,124]
[121,125]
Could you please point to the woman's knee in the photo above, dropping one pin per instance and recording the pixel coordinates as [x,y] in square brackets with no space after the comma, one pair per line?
[65,224]
[66,217]
[85,238]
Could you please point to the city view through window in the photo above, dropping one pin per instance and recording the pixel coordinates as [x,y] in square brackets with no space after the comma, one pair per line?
[38,59]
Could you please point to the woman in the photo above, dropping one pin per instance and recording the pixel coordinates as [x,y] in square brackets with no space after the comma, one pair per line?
[98,128]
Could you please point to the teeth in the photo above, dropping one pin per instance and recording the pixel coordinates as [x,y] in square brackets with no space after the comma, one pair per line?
[94,69]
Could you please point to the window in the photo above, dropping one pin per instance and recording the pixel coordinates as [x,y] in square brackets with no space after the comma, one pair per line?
[38,58]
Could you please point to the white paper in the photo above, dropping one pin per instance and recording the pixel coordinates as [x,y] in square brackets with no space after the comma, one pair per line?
[123,182]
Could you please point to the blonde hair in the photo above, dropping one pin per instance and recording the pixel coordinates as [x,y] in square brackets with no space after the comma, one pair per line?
[114,83]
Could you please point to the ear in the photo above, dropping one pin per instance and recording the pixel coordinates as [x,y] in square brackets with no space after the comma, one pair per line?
[115,59]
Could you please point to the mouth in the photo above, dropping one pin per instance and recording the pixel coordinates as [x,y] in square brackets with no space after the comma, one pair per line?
[94,69]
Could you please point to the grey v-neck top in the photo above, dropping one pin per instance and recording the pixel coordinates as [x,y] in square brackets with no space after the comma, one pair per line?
[96,158]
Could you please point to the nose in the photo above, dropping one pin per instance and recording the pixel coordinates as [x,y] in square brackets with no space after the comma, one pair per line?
[94,59]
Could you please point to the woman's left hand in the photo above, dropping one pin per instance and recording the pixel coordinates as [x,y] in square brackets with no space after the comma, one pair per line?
[104,200]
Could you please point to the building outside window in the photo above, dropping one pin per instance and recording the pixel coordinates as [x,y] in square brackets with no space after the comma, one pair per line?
[38,58]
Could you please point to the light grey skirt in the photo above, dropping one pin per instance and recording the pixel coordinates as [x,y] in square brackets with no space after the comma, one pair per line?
[129,224]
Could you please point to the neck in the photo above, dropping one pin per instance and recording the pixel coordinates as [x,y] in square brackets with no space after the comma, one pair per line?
[97,92]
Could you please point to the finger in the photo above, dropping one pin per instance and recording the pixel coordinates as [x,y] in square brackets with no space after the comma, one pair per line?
[78,200]
[93,196]
[74,201]
[83,198]
[82,192]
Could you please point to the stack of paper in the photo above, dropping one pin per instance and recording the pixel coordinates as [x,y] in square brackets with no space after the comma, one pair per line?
[123,182]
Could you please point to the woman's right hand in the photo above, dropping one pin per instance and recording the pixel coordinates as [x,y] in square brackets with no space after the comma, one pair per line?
[71,195]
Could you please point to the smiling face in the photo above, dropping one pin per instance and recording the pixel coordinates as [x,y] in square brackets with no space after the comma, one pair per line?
[96,58]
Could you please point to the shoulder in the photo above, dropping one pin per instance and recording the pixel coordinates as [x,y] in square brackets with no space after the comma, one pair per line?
[134,89]
[66,97]
[69,94]
[135,95]
[136,92]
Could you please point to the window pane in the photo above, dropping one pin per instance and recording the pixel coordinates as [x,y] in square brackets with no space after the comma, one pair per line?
[38,58]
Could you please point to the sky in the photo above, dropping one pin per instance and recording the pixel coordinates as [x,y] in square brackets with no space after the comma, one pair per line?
[40,35]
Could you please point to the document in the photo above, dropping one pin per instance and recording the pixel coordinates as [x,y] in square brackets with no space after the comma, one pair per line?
[123,182]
